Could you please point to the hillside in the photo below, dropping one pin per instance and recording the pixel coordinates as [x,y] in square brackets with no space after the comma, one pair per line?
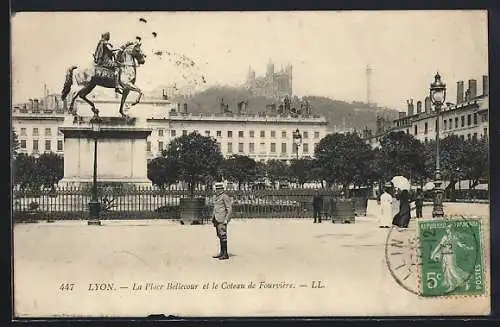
[339,114]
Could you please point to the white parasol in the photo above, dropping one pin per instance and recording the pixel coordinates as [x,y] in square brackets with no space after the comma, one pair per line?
[401,182]
[428,186]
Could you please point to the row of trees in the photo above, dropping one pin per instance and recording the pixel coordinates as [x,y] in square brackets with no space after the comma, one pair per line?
[342,159]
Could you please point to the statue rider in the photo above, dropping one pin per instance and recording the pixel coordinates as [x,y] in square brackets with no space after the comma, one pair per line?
[104,56]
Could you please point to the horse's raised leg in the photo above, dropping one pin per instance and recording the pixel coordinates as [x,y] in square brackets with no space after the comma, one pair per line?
[132,87]
[83,95]
[125,93]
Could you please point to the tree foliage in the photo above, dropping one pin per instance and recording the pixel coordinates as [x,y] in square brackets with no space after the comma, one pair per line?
[240,169]
[401,154]
[49,169]
[198,159]
[344,159]
[24,170]
[301,170]
[277,170]
[163,171]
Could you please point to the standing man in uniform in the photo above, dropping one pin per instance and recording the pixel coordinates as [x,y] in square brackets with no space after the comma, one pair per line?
[220,218]
[419,202]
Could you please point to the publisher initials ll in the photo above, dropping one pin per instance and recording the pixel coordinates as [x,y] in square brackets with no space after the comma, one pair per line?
[317,284]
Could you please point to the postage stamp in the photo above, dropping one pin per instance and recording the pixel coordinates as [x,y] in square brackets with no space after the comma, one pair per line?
[451,257]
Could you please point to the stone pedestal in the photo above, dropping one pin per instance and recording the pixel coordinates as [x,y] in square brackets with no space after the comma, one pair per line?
[121,151]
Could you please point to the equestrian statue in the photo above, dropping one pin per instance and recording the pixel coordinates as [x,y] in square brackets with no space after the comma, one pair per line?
[112,68]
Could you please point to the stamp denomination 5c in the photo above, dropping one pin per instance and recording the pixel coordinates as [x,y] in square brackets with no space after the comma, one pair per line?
[451,257]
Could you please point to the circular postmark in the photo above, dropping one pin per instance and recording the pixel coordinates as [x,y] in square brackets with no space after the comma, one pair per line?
[437,257]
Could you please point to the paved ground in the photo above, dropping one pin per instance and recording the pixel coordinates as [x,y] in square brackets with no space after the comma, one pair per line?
[347,259]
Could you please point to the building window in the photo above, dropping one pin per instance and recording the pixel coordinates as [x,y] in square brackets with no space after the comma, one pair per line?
[273,147]
[35,145]
[240,148]
[445,124]
[283,147]
[426,128]
[316,135]
[469,136]
[240,134]
[475,118]
[23,144]
[219,133]
[450,123]
[415,129]
[219,145]
[469,120]
[160,146]
[35,131]
[184,132]
[436,125]
[48,132]
[207,133]
[475,137]
[262,133]
[229,134]
[273,134]
[456,122]
[59,145]
[160,132]
[407,131]
[172,133]
[148,146]
[229,147]
[252,134]
[305,148]
[485,132]
[47,145]
[251,147]
[283,134]
[462,119]
[305,135]
[462,137]
[23,131]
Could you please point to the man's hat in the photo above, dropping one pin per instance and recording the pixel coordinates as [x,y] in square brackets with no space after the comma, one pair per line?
[219,186]
[138,38]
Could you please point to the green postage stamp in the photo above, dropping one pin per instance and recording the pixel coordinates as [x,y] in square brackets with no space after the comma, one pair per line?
[452,261]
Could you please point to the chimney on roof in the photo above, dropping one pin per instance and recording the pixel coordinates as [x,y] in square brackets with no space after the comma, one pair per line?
[410,107]
[472,88]
[402,114]
[427,105]
[460,92]
[35,104]
[419,107]
[178,107]
[486,88]
[185,108]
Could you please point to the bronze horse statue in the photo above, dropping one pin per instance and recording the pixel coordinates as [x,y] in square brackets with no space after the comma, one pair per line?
[128,59]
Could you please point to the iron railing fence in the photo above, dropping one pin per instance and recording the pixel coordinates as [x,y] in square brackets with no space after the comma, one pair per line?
[156,203]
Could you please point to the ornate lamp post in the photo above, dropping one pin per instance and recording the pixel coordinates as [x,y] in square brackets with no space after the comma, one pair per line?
[438,96]
[297,139]
[94,204]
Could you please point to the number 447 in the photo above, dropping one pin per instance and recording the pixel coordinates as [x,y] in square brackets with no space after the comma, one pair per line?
[67,286]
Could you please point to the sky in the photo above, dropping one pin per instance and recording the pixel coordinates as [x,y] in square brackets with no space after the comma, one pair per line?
[329,51]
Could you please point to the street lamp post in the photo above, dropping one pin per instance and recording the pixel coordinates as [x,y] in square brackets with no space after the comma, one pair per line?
[438,96]
[297,139]
[94,204]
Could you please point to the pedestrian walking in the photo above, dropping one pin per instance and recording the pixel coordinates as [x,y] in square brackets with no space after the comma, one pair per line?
[419,202]
[386,211]
[317,207]
[402,218]
[220,218]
